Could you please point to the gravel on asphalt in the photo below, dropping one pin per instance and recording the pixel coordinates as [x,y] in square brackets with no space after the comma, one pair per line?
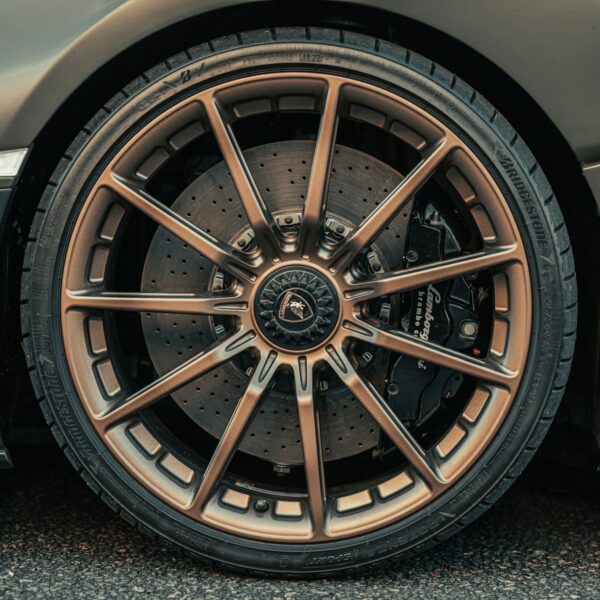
[58,540]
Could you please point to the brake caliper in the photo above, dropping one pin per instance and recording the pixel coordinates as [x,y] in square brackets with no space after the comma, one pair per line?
[443,313]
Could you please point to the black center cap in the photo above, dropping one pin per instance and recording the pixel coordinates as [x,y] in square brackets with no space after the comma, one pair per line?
[296,308]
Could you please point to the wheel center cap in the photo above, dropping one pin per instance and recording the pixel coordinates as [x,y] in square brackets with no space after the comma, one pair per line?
[296,308]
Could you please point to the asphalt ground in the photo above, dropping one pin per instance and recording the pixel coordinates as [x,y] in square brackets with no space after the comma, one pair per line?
[58,540]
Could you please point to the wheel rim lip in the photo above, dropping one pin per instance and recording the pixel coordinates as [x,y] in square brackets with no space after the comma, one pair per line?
[337,333]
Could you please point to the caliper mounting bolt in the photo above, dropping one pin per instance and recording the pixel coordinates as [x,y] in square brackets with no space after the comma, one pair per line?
[412,256]
[469,329]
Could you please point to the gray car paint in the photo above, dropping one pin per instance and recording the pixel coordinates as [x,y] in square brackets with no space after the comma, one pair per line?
[549,47]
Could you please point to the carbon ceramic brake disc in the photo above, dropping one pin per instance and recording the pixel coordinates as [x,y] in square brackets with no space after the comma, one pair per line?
[358,183]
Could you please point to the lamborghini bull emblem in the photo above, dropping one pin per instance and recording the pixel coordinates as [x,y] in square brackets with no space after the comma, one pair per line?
[294,309]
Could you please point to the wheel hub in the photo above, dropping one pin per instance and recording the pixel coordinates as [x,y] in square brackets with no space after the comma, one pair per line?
[296,308]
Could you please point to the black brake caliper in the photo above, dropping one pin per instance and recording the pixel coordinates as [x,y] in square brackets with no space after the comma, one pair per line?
[443,313]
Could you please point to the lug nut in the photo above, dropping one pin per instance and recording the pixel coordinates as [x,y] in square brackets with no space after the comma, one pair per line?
[219,281]
[365,359]
[384,312]
[261,506]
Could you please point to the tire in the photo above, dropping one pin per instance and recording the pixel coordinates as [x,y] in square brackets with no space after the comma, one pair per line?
[429,86]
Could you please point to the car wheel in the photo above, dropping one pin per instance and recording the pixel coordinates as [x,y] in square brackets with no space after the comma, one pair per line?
[297,301]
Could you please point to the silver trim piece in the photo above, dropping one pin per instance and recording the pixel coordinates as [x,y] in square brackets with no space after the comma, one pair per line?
[11,161]
[591,172]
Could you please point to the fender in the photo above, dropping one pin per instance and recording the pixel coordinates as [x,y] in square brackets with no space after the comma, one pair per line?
[546,46]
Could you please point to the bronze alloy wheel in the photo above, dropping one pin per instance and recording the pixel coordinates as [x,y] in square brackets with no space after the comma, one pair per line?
[295,300]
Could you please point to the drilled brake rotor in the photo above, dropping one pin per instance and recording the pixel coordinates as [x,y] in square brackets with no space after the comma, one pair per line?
[358,183]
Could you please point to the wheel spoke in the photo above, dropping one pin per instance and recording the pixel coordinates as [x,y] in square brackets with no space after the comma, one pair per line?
[201,304]
[234,432]
[409,279]
[311,444]
[376,406]
[316,193]
[393,203]
[258,215]
[404,343]
[180,376]
[217,252]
